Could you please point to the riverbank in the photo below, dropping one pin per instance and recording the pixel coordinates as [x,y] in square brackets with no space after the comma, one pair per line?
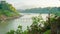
[4,18]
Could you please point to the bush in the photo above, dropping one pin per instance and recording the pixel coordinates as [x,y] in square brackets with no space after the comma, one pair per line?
[47,32]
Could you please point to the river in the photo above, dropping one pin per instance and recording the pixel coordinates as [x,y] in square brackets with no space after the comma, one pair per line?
[25,21]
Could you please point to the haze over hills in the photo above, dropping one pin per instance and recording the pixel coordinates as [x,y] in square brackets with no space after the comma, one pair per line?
[41,10]
[27,4]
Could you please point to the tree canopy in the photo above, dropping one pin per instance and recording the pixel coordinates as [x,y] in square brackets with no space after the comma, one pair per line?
[7,10]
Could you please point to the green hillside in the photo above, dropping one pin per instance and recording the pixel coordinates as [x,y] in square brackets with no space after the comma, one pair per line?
[42,10]
[7,11]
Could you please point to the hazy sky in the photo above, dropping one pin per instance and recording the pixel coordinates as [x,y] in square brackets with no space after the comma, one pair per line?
[24,4]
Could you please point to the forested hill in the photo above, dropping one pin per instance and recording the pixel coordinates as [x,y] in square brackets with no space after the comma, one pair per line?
[7,10]
[42,10]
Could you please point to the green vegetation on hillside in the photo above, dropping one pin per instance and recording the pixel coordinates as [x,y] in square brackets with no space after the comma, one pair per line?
[42,10]
[7,11]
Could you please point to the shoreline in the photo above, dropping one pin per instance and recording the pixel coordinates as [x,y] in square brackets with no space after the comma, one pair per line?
[9,18]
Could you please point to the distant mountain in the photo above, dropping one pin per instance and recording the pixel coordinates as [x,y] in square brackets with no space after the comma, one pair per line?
[41,10]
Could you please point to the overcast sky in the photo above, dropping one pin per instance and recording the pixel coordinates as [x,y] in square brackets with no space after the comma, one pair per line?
[26,4]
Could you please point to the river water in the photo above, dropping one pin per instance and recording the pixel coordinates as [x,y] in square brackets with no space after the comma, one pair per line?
[25,21]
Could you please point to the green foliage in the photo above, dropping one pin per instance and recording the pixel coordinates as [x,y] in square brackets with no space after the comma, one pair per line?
[47,32]
[36,27]
[6,6]
[18,31]
[11,32]
[7,9]
[25,32]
